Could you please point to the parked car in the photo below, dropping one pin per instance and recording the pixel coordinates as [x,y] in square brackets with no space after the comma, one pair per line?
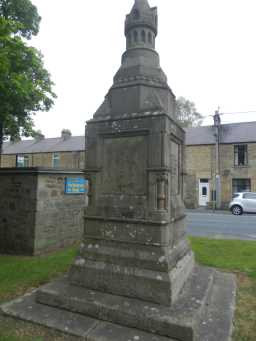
[243,202]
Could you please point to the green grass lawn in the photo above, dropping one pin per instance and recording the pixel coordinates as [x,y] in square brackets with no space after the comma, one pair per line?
[231,255]
[21,274]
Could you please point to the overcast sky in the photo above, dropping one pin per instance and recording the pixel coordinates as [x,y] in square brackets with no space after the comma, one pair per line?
[207,49]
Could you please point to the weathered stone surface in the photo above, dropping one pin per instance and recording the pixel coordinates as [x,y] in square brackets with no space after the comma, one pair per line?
[36,215]
[74,324]
[17,207]
[149,257]
[27,309]
[217,323]
[179,321]
[113,332]
[135,203]
[204,312]
[154,286]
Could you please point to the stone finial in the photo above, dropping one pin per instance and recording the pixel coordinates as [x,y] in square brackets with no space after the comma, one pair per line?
[141,4]
[140,73]
[142,16]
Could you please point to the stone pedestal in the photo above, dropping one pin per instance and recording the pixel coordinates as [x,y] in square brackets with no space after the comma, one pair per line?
[134,240]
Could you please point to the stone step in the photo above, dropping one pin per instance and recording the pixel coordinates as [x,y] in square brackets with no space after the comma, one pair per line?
[26,308]
[180,321]
[87,328]
[113,332]
[150,285]
[217,323]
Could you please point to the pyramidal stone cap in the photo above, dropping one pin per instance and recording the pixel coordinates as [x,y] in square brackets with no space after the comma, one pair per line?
[140,85]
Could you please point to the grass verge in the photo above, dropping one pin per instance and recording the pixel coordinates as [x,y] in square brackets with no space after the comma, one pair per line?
[20,274]
[231,255]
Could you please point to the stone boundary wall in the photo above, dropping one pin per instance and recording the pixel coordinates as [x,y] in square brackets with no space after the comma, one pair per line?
[36,216]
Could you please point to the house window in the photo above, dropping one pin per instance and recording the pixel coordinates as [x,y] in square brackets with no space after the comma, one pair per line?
[56,160]
[241,185]
[22,161]
[240,155]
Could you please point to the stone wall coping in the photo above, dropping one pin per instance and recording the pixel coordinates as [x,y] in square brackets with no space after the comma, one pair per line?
[40,170]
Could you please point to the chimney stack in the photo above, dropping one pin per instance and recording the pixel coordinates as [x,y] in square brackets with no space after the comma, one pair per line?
[38,136]
[66,134]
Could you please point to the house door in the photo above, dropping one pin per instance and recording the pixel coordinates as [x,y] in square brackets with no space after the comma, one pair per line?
[204,197]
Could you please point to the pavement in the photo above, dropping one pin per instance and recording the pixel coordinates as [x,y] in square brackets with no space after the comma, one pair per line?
[207,210]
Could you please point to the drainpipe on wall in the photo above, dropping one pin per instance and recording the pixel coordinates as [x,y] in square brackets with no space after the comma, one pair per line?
[217,124]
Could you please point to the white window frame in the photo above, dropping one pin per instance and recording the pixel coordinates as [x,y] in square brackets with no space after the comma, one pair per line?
[22,161]
[55,160]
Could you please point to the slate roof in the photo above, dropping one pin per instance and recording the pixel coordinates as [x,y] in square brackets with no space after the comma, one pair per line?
[50,145]
[230,133]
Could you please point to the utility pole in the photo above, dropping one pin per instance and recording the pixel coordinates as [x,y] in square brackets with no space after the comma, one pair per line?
[217,180]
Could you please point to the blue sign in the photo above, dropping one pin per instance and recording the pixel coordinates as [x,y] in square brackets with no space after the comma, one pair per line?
[76,186]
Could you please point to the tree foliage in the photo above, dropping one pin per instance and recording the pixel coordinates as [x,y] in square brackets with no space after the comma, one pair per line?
[187,114]
[24,13]
[25,85]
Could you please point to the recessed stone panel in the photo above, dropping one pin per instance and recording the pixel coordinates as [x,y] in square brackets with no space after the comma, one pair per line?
[124,165]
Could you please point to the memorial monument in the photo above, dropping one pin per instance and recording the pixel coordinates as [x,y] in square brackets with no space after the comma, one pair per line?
[135,268]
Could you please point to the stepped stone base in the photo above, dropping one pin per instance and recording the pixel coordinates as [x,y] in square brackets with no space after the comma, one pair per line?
[148,284]
[203,311]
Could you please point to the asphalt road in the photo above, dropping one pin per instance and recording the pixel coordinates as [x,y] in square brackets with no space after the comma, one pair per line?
[221,225]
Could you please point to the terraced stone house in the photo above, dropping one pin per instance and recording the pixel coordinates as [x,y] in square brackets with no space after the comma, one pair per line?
[222,157]
[66,151]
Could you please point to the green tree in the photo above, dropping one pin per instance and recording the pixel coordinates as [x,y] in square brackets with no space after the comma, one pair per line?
[25,85]
[22,12]
[187,114]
